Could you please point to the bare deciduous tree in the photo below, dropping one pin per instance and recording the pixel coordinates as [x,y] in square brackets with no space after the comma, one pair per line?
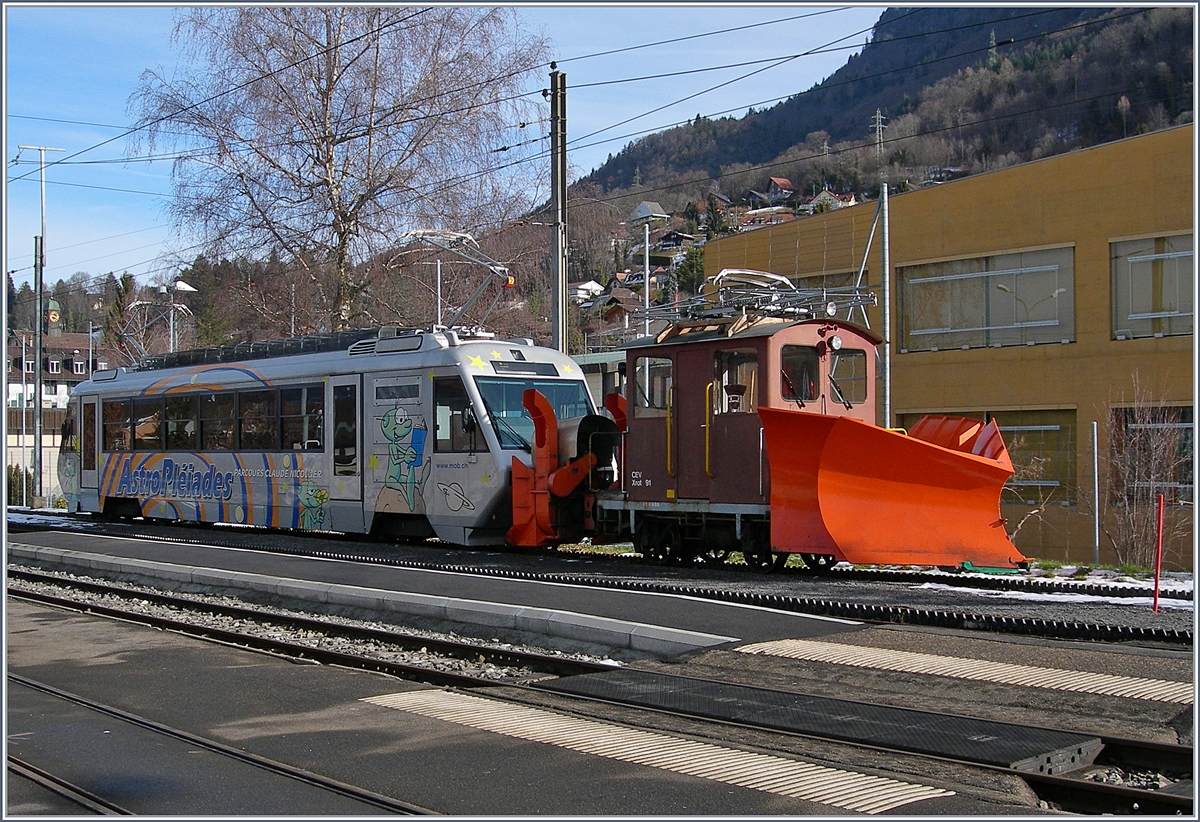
[1150,453]
[320,133]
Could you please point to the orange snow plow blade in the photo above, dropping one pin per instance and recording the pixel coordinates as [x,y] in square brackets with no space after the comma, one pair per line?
[871,496]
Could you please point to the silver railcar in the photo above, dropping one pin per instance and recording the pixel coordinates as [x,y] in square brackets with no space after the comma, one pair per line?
[394,432]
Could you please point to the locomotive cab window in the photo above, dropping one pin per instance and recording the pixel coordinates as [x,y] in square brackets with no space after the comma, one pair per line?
[503,399]
[800,369]
[457,429]
[735,385]
[651,385]
[69,442]
[848,376]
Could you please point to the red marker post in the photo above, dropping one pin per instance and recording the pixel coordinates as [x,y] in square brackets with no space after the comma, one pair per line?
[1158,551]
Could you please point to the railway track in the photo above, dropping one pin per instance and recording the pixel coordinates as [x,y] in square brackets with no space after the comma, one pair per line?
[531,672]
[94,801]
[340,548]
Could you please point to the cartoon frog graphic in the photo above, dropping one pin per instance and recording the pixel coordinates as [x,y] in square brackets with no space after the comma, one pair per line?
[407,466]
[311,498]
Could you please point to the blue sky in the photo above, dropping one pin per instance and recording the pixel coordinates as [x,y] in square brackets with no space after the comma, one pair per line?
[69,71]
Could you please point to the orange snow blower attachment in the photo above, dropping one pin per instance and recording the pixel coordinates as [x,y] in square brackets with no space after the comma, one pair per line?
[871,496]
[538,491]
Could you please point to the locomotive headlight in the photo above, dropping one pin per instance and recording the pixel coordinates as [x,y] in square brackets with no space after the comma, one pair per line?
[831,309]
[835,342]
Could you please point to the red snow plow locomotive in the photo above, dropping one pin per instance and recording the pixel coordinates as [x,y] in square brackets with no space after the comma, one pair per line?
[748,425]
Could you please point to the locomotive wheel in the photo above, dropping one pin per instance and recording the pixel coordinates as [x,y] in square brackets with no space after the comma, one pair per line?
[647,544]
[714,555]
[819,563]
[669,544]
[762,561]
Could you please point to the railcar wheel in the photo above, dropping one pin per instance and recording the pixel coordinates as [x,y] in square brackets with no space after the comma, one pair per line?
[761,561]
[819,563]
[670,544]
[646,542]
[714,555]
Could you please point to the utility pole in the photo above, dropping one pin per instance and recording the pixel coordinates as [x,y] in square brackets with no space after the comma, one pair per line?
[558,202]
[886,307]
[39,267]
[39,257]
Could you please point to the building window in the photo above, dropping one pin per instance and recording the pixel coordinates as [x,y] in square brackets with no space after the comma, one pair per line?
[1006,299]
[30,366]
[1152,287]
[54,366]
[78,367]
[1151,454]
[1041,444]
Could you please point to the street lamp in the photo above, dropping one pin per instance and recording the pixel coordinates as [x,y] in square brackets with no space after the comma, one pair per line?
[646,213]
[179,285]
[39,265]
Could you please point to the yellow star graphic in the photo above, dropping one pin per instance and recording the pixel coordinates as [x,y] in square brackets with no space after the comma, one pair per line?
[477,362]
[431,374]
[373,461]
[568,369]
[495,355]
[487,479]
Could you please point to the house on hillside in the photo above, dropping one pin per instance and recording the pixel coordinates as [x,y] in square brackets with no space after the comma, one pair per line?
[826,200]
[762,217]
[584,291]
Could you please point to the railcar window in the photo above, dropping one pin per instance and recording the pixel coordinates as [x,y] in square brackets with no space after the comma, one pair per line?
[800,371]
[736,382]
[258,421]
[147,424]
[503,399]
[848,375]
[182,422]
[345,430]
[457,430]
[302,417]
[651,385]
[89,436]
[116,425]
[216,421]
[69,442]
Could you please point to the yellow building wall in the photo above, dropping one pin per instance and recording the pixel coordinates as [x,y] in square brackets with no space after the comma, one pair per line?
[1141,186]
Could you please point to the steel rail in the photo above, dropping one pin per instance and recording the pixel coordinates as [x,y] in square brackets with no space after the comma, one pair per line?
[1073,794]
[964,579]
[60,787]
[881,614]
[326,783]
[542,663]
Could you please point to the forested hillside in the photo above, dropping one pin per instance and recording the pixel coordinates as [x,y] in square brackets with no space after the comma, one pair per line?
[961,90]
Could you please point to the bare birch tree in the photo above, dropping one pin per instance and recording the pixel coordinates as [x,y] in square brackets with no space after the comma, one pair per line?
[319,134]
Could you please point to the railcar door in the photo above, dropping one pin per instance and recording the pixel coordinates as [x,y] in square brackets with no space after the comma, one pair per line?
[733,447]
[651,447]
[346,438]
[89,449]
[693,378]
